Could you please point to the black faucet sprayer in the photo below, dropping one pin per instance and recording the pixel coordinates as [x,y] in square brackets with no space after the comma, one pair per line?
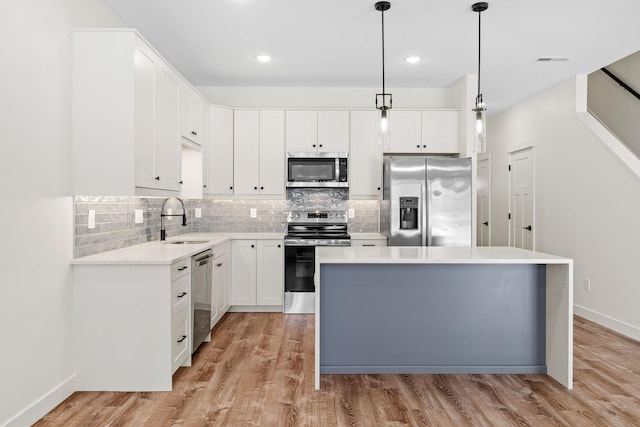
[163,233]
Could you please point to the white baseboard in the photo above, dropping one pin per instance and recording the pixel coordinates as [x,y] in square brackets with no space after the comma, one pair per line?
[43,405]
[609,322]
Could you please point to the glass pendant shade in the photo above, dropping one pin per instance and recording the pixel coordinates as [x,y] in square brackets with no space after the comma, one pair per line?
[384,121]
[480,130]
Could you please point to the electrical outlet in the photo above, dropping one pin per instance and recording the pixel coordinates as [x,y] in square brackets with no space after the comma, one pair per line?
[352,213]
[169,212]
[587,285]
[91,220]
[253,213]
[139,218]
[198,212]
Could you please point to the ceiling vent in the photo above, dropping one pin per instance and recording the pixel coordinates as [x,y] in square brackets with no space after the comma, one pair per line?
[553,59]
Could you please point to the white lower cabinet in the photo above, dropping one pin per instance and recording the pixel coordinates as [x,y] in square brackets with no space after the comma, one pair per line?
[132,325]
[221,286]
[257,272]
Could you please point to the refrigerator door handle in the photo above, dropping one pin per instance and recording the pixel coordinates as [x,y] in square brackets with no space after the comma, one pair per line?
[425,233]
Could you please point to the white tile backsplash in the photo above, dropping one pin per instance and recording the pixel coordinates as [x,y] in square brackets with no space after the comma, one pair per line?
[116,228]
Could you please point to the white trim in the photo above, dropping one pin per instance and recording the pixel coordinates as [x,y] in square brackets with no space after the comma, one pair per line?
[608,322]
[511,152]
[611,142]
[44,404]
[482,157]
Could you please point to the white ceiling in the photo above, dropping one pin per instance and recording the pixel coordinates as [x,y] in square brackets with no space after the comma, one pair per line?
[337,43]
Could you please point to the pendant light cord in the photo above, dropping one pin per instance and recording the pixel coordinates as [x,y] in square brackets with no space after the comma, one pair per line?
[479,48]
[383,88]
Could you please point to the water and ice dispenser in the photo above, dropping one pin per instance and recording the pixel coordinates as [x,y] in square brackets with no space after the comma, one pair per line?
[408,213]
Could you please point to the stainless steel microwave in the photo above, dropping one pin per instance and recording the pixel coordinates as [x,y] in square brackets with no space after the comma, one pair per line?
[317,170]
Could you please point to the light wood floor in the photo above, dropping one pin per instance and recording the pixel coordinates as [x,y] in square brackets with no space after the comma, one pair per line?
[258,371]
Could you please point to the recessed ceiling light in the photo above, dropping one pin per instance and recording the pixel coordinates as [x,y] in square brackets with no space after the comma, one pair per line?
[412,59]
[263,58]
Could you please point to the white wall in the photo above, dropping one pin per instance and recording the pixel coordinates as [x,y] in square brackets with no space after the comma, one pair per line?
[587,202]
[329,97]
[36,366]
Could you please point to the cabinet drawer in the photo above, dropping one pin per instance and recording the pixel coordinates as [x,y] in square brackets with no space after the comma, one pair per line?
[368,242]
[180,289]
[179,338]
[180,268]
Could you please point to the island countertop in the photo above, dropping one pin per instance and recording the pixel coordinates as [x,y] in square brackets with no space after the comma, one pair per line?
[433,254]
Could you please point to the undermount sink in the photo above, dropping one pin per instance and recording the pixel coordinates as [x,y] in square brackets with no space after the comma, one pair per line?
[186,242]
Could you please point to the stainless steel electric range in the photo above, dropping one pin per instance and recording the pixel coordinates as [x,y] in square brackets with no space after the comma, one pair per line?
[305,231]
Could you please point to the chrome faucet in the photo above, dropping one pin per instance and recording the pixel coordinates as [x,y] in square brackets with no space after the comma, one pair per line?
[163,233]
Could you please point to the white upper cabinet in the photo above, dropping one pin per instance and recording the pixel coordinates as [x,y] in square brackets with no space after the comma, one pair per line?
[365,157]
[405,132]
[333,131]
[125,120]
[191,111]
[429,131]
[302,131]
[317,131]
[440,131]
[271,152]
[219,152]
[258,152]
[167,144]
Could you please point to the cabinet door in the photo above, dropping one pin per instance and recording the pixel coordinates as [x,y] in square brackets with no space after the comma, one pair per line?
[146,63]
[271,152]
[226,267]
[217,289]
[185,111]
[197,128]
[270,272]
[220,273]
[167,151]
[440,132]
[243,272]
[333,131]
[302,131]
[246,139]
[220,151]
[365,161]
[190,114]
[405,132]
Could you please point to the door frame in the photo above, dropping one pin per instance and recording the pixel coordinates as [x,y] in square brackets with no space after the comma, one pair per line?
[513,150]
[483,157]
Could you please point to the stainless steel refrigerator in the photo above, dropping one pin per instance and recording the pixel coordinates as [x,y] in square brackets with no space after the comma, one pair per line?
[426,201]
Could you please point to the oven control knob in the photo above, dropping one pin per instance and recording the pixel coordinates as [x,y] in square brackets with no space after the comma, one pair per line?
[297,215]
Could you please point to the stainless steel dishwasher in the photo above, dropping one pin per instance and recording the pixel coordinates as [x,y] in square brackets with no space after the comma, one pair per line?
[201,280]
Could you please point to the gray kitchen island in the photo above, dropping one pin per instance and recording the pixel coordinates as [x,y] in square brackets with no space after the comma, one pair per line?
[486,310]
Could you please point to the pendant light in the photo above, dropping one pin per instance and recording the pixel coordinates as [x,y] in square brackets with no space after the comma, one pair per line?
[480,110]
[382,6]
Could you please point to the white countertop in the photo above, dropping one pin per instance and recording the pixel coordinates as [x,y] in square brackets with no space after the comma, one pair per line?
[433,255]
[158,252]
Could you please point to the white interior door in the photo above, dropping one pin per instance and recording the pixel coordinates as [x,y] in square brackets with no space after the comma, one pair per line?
[521,199]
[483,206]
